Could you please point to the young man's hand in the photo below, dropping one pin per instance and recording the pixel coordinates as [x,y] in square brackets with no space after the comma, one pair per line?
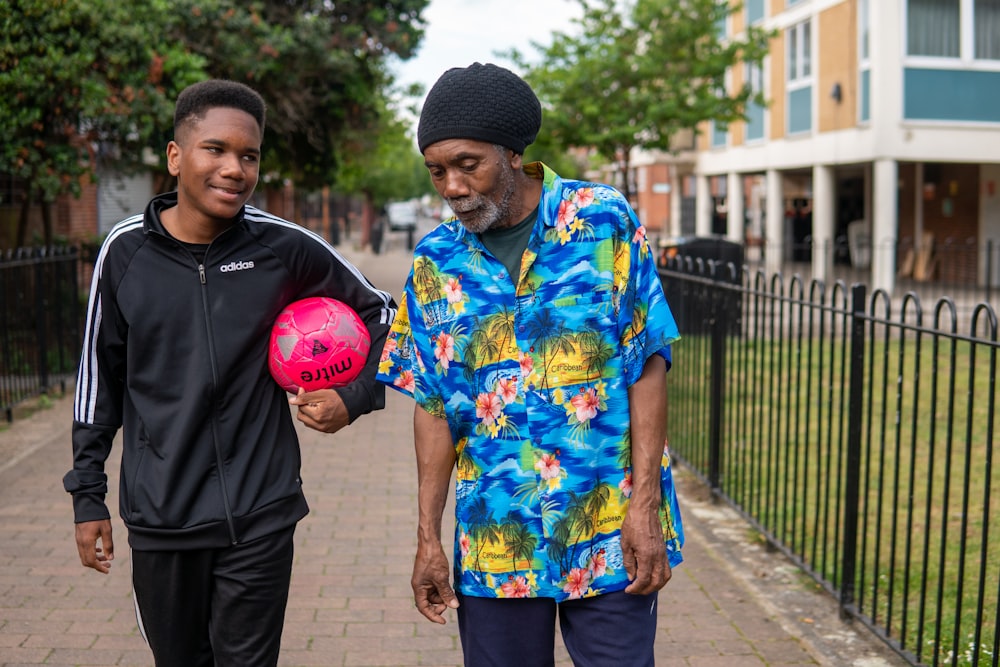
[93,554]
[322,410]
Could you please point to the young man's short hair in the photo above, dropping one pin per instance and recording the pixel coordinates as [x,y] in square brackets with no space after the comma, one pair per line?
[196,100]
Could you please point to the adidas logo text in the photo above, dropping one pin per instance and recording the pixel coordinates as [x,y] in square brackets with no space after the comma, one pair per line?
[236,266]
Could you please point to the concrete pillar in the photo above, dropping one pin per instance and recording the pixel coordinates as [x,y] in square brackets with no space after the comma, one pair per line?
[824,212]
[774,223]
[735,227]
[884,225]
[703,207]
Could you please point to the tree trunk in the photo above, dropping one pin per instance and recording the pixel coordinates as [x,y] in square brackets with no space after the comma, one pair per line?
[626,185]
[22,221]
[367,219]
[47,235]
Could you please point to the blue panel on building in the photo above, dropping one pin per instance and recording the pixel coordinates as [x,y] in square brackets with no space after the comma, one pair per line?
[755,121]
[800,110]
[755,10]
[718,135]
[866,98]
[940,94]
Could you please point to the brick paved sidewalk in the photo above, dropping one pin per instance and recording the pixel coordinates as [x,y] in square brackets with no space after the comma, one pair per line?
[730,604]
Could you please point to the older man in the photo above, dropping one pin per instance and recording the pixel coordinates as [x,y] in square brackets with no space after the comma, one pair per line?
[534,336]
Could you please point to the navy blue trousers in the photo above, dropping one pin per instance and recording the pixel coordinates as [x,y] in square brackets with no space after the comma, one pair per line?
[612,629]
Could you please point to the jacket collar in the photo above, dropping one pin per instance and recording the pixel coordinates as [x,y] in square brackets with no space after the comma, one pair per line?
[152,221]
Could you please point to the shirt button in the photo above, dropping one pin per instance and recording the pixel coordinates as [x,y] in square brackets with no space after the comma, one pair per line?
[520,328]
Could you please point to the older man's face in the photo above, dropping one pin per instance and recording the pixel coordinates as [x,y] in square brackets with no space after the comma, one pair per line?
[477,179]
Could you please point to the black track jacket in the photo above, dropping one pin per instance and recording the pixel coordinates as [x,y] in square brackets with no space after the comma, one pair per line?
[175,355]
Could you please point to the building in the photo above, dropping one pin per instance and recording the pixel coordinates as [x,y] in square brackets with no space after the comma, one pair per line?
[879,148]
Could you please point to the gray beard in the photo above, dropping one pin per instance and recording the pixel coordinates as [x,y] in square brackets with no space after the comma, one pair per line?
[485,213]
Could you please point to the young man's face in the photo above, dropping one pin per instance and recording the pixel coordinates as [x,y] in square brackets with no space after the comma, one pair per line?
[216,161]
[477,181]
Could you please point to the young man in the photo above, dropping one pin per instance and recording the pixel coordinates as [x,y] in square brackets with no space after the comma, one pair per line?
[175,355]
[535,338]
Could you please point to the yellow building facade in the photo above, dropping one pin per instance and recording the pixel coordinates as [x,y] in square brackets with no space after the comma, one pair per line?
[879,148]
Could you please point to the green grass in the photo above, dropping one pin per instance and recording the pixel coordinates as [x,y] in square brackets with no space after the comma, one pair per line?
[928,481]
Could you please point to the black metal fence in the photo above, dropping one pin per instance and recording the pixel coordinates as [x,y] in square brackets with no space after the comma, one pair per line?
[966,269]
[40,311]
[855,432]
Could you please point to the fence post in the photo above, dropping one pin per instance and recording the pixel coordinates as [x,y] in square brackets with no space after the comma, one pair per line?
[852,482]
[75,325]
[719,325]
[41,319]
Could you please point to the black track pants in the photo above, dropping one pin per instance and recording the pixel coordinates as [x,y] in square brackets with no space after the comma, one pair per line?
[223,607]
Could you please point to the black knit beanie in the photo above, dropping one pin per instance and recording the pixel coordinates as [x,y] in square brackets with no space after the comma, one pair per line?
[481,102]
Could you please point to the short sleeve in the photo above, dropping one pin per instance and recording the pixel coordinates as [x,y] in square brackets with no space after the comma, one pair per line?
[401,366]
[648,325]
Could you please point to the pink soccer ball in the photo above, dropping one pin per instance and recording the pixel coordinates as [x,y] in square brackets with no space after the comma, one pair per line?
[317,343]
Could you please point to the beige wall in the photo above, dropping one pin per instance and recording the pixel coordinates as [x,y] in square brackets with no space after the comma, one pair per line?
[776,89]
[737,20]
[838,63]
[737,77]
[704,141]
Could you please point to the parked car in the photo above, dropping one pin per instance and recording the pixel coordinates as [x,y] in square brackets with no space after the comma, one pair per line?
[402,215]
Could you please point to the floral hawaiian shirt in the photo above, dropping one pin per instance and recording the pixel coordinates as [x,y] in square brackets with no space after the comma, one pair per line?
[532,375]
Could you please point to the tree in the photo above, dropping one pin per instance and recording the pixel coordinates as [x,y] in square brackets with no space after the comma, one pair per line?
[79,82]
[381,163]
[318,64]
[639,72]
[86,80]
[549,149]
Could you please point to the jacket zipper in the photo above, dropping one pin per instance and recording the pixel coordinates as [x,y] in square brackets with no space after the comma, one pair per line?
[215,416]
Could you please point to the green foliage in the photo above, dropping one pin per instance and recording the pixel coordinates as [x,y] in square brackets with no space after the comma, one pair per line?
[76,78]
[381,161]
[641,71]
[927,537]
[85,80]
[547,149]
[319,66]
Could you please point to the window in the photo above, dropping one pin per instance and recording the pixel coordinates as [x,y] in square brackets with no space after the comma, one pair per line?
[754,111]
[863,30]
[799,39]
[961,29]
[720,131]
[799,52]
[755,11]
[720,21]
[932,28]
[987,24]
